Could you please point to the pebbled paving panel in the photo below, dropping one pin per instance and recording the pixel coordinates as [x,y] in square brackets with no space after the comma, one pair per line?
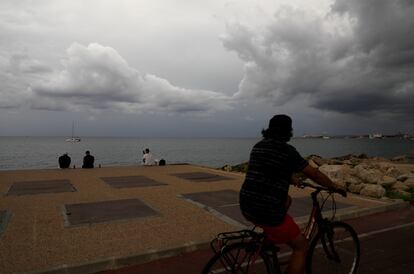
[4,219]
[200,176]
[40,187]
[234,213]
[106,211]
[130,181]
[302,206]
[226,202]
[215,198]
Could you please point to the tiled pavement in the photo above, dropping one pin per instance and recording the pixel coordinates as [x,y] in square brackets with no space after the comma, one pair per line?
[83,221]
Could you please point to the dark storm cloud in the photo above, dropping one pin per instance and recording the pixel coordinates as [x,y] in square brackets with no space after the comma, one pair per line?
[358,58]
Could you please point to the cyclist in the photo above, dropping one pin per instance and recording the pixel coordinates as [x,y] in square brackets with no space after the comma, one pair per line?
[264,198]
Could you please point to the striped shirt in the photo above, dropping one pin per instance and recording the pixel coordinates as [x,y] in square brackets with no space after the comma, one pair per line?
[264,192]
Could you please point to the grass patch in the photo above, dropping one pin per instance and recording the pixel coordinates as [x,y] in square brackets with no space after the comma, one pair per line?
[390,193]
[240,168]
[237,168]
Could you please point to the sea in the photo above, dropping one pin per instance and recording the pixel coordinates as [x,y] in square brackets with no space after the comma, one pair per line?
[43,152]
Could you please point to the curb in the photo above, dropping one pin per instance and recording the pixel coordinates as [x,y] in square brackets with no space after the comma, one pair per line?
[153,255]
[116,263]
[347,213]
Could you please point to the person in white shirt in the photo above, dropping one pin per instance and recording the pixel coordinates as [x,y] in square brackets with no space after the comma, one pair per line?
[147,159]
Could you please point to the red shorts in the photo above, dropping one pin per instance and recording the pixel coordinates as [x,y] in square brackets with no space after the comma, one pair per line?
[283,233]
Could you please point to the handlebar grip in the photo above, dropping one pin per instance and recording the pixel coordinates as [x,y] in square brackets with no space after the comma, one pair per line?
[342,192]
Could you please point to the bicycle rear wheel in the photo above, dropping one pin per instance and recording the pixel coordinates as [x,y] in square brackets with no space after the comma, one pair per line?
[239,258]
[334,250]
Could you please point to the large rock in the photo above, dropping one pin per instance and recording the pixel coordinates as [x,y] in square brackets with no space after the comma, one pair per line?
[409,182]
[393,172]
[324,161]
[356,188]
[362,156]
[367,174]
[375,191]
[350,179]
[337,173]
[318,160]
[383,166]
[350,159]
[361,168]
[400,158]
[400,186]
[404,177]
[312,163]
[387,181]
[379,159]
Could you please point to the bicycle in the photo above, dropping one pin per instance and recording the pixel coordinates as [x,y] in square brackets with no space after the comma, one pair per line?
[333,248]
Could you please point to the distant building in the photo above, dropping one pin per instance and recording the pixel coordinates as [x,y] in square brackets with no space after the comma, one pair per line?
[375,136]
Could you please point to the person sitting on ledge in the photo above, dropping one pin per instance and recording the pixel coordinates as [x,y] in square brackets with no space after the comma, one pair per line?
[64,161]
[88,160]
[147,159]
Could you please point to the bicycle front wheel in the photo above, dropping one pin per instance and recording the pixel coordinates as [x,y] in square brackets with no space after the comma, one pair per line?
[239,258]
[336,249]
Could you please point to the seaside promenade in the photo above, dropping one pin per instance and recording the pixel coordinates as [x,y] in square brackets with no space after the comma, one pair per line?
[85,221]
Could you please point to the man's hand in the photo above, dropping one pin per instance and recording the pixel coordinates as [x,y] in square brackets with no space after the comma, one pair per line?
[340,190]
[294,181]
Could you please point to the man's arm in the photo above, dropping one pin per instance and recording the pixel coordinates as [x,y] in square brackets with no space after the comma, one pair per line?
[315,175]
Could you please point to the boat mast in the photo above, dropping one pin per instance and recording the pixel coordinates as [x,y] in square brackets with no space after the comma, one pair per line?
[73,128]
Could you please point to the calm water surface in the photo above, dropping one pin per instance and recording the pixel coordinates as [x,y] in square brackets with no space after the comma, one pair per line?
[43,152]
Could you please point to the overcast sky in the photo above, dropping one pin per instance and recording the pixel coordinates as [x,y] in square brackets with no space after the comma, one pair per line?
[156,68]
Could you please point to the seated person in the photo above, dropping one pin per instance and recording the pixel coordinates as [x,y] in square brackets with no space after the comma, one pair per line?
[88,160]
[148,159]
[161,162]
[64,161]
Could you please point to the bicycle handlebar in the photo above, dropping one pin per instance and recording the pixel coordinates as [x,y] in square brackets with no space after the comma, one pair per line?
[318,188]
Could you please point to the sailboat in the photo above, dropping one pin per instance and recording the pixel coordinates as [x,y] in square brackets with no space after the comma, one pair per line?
[73,139]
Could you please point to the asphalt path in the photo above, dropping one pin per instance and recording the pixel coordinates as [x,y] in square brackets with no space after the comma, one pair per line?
[388,251]
[387,246]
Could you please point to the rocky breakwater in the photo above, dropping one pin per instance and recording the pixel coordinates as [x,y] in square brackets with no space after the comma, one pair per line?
[369,176]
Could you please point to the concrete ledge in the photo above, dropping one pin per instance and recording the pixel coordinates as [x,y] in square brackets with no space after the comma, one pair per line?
[350,213]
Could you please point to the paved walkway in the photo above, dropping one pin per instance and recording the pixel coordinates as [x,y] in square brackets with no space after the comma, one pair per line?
[379,234]
[84,221]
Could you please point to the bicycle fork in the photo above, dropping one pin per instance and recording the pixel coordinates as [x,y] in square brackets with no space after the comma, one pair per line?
[329,246]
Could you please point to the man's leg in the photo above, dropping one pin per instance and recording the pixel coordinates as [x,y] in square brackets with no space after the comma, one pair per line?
[289,232]
[298,257]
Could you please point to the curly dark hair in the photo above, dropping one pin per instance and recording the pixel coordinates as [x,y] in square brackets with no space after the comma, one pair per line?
[278,134]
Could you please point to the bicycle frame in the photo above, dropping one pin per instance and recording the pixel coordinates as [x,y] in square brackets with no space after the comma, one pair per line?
[267,247]
[316,221]
[258,244]
[315,217]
